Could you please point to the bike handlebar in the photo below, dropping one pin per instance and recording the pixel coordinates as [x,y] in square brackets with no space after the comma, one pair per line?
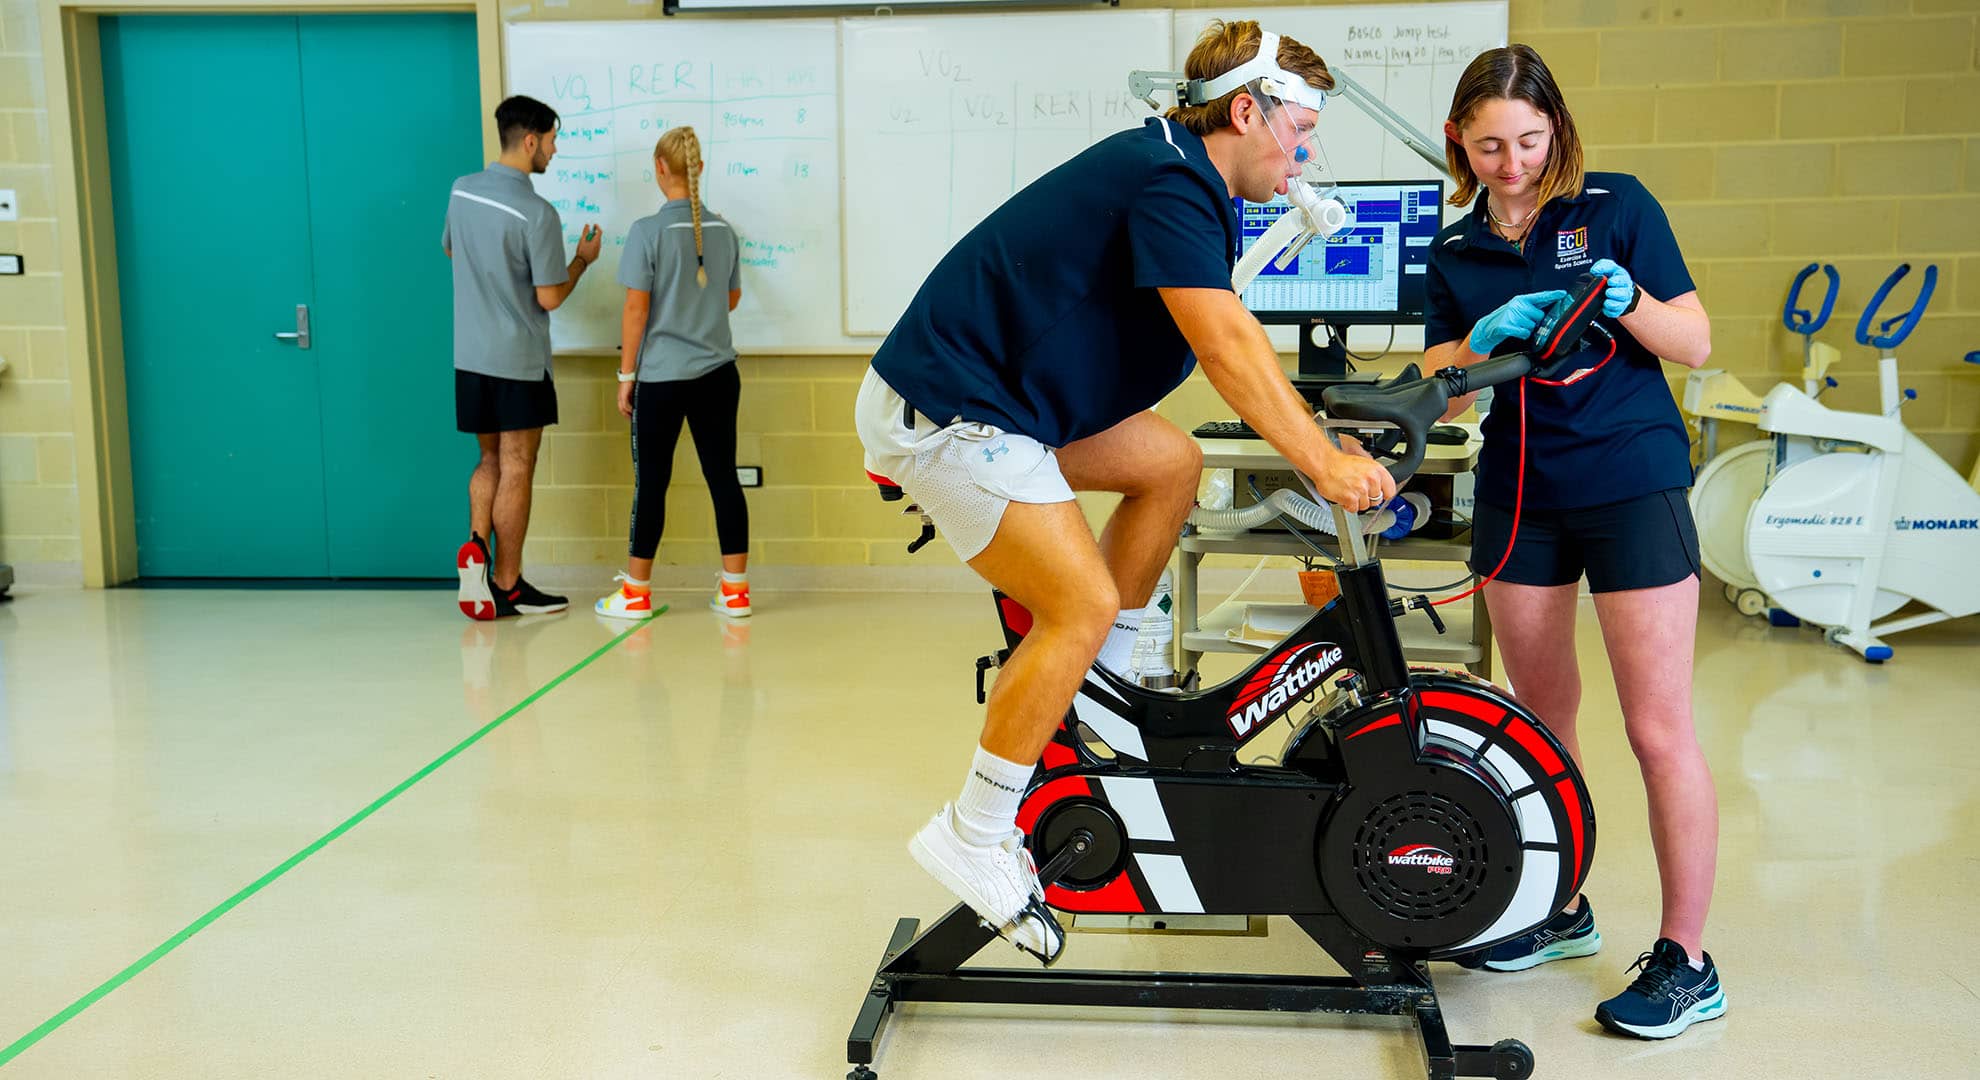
[1910,318]
[1486,373]
[1799,321]
[1412,404]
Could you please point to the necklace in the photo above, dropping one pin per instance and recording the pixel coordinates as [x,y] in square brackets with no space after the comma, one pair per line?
[1501,222]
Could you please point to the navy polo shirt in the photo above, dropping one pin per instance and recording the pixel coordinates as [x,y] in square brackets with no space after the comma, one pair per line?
[1613,435]
[1044,319]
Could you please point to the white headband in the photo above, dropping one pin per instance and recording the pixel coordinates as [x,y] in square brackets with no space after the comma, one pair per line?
[1276,81]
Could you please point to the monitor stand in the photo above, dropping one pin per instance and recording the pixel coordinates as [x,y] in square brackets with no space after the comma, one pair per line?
[1321,366]
[1317,360]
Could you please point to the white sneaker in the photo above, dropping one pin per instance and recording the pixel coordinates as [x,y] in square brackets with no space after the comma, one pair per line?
[620,604]
[730,600]
[999,882]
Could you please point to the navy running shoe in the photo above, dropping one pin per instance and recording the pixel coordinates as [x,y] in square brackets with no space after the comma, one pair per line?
[1667,997]
[1570,933]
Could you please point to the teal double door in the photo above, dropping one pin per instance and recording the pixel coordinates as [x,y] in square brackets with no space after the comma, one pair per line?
[275,174]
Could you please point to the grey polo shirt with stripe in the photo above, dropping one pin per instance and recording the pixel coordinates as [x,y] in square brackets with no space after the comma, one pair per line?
[505,240]
[687,328]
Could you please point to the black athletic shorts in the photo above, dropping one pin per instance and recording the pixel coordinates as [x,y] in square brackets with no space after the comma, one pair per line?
[1640,543]
[486,404]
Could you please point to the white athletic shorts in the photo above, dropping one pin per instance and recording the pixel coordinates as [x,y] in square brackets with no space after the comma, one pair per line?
[962,474]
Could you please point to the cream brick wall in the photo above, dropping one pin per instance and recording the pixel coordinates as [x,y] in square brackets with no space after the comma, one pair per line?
[39,528]
[1775,132]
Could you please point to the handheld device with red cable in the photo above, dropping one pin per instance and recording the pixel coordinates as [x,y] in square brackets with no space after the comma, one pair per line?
[1548,360]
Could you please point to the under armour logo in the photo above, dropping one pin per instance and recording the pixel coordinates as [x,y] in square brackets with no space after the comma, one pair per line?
[990,453]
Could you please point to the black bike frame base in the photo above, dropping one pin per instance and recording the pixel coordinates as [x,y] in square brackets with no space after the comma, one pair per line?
[928,967]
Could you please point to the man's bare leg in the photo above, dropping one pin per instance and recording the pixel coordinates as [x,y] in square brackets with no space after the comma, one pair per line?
[1156,468]
[512,495]
[1044,557]
[481,486]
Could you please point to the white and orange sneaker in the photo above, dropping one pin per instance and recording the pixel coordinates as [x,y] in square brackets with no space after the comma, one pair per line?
[731,598]
[623,603]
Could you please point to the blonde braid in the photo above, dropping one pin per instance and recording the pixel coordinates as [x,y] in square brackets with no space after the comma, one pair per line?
[681,150]
[694,205]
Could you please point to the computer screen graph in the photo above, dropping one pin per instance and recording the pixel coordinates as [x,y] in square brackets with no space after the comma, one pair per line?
[1372,271]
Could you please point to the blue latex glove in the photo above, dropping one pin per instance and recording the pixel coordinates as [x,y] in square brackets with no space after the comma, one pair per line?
[1621,289]
[1514,320]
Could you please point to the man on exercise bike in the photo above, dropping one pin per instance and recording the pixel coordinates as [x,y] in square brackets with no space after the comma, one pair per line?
[1024,370]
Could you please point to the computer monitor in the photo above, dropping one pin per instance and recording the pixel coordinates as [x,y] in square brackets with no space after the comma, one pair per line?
[1370,273]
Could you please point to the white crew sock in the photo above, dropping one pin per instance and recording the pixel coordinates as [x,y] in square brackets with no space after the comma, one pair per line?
[986,811]
[735,579]
[1118,653]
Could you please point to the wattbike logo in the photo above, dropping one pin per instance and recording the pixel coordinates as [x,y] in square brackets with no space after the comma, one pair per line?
[1280,681]
[1920,524]
[1433,860]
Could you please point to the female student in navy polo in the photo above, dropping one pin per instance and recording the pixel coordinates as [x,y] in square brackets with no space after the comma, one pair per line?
[677,363]
[1585,476]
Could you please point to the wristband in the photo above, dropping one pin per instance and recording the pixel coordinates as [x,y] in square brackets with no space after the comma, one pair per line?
[628,376]
[1634,299]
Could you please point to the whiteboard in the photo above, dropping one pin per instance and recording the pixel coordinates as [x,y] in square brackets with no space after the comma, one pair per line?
[1407,55]
[947,116]
[763,97]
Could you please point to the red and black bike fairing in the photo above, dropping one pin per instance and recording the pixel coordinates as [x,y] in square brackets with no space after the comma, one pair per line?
[1438,817]
[1466,774]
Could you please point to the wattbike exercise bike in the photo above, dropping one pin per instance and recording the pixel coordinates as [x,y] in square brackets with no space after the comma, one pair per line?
[1413,815]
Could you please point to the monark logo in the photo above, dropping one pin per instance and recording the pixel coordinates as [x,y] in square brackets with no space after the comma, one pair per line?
[1915,524]
[1280,681]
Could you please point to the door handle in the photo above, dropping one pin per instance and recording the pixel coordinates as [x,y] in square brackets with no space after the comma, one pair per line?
[301,334]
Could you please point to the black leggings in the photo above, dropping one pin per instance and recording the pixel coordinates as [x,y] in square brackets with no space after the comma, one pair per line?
[708,404]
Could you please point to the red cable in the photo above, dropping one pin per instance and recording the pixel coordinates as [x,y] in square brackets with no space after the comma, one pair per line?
[1519,489]
[1519,495]
[1583,373]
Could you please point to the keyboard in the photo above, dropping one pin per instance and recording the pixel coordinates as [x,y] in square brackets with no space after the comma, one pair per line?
[1439,435]
[1224,429]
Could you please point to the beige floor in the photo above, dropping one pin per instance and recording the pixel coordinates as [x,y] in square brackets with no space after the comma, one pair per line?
[683,859]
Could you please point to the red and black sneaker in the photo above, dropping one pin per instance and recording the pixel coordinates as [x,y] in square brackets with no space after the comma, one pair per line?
[526,599]
[477,593]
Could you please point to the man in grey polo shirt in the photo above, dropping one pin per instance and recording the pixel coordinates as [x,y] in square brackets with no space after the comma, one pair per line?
[507,244]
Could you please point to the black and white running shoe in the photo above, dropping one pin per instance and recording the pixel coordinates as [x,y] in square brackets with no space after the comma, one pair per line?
[527,599]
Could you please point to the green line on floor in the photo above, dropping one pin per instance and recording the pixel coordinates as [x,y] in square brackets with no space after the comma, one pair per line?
[20,1045]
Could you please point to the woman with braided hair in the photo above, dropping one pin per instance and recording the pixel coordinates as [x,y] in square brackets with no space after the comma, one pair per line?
[681,269]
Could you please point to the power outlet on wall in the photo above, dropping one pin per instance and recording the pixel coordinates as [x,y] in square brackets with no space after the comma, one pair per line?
[749,475]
